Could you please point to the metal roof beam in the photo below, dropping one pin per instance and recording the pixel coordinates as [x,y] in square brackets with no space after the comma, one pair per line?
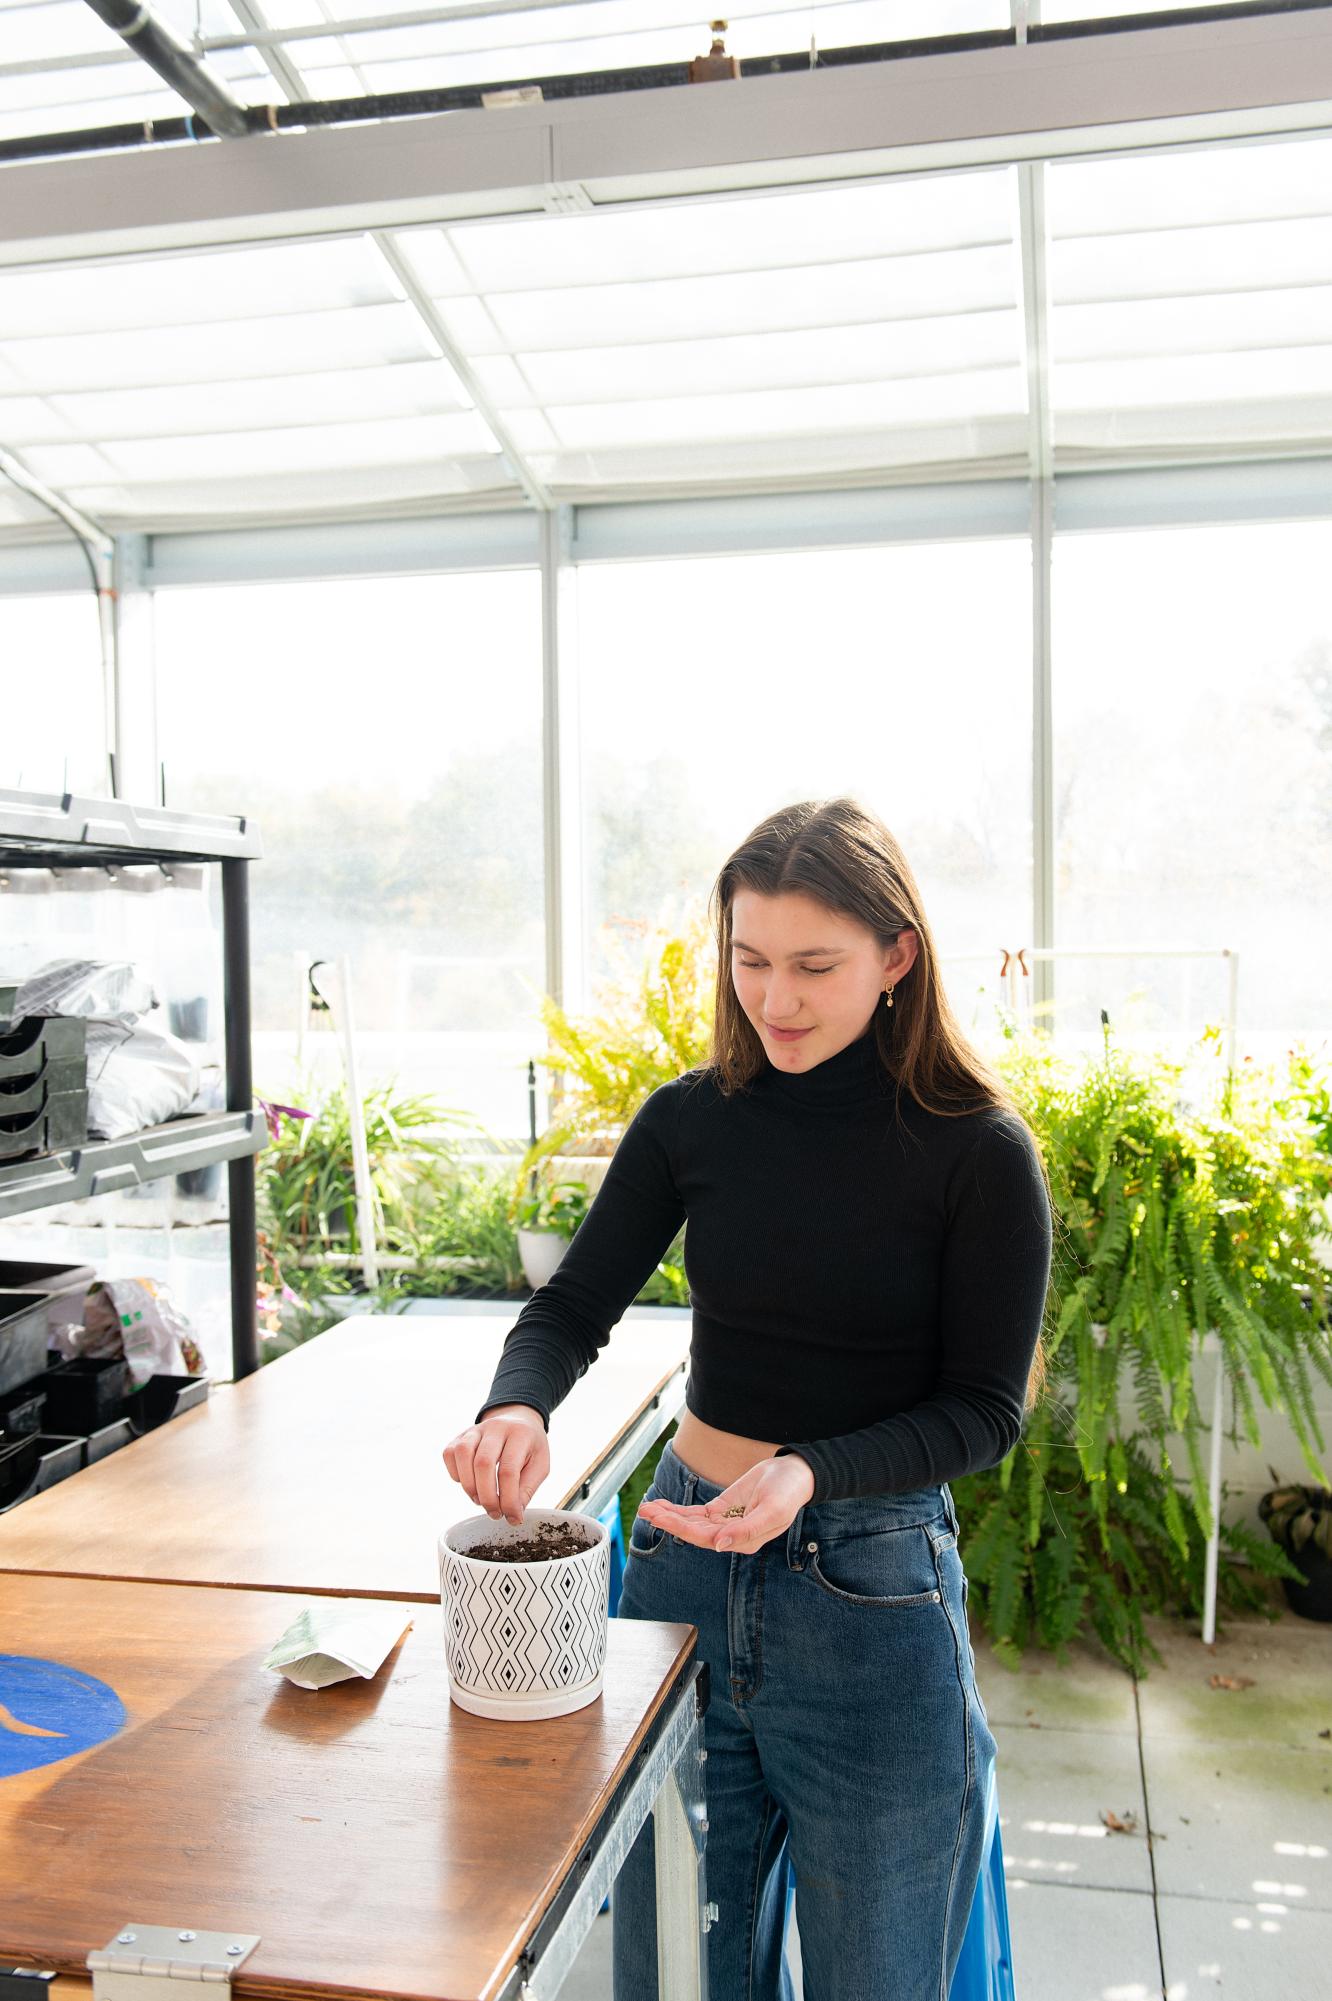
[177,65]
[1179,84]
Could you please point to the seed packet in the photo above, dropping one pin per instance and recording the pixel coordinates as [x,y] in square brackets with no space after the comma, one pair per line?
[332,1642]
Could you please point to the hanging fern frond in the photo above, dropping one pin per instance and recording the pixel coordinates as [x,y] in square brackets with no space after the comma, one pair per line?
[1171,1222]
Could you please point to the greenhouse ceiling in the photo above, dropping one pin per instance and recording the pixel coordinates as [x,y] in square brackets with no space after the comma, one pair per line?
[1102,250]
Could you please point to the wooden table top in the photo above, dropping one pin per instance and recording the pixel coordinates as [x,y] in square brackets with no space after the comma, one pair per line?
[324,1471]
[379,1839]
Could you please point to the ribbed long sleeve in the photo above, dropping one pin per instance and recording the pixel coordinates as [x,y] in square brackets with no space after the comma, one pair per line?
[994,1273]
[629,1226]
[866,1289]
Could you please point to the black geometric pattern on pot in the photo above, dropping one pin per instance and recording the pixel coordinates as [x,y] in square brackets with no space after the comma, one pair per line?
[521,1629]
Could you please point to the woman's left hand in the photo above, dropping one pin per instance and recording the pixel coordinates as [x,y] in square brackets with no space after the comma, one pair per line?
[771,1493]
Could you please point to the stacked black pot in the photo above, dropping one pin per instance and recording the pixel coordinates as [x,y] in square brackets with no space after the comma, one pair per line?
[43,1081]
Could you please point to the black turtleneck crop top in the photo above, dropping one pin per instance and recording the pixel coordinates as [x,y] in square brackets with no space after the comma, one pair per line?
[865,1293]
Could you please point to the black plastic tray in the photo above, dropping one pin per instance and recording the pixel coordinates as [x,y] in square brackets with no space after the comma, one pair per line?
[21,1096]
[40,1040]
[18,1463]
[85,1394]
[108,1438]
[21,1410]
[29,1275]
[22,1337]
[165,1397]
[57,1458]
[62,1122]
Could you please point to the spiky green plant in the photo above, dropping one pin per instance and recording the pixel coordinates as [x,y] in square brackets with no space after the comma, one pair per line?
[306,1179]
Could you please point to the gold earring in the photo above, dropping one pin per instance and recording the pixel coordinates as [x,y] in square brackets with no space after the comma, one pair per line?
[888,995]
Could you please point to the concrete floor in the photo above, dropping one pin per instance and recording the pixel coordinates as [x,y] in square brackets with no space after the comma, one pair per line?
[1224,1885]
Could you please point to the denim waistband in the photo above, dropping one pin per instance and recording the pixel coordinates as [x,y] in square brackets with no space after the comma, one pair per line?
[859,1514]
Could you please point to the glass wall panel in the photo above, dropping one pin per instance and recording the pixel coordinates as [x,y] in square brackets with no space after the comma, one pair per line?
[714,692]
[1193,777]
[386,734]
[53,732]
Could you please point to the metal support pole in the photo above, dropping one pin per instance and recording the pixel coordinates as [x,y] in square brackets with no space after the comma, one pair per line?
[1044,832]
[202,88]
[566,968]
[1032,242]
[365,1207]
[1214,1492]
[126,610]
[240,1098]
[681,1885]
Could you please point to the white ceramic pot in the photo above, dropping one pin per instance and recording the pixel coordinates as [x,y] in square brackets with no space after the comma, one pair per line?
[541,1251]
[524,1640]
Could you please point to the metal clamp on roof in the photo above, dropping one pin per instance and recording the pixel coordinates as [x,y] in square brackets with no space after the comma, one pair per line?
[143,1962]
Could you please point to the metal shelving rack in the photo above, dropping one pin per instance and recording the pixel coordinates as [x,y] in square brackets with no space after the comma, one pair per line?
[61,831]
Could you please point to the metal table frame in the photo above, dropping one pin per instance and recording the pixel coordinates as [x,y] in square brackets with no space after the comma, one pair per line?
[666,1780]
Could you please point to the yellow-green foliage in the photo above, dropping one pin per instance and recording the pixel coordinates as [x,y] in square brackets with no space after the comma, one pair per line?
[652,1024]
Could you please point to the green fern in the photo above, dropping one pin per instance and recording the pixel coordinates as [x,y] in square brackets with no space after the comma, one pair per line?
[1171,1220]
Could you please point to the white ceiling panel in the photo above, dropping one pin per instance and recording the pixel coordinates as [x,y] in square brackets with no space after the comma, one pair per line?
[1189,294]
[67,467]
[1251,181]
[910,348]
[425,389]
[295,494]
[865,404]
[1293,317]
[366,337]
[812,459]
[949,212]
[305,447]
[884,288]
[1203,378]
[778,337]
[141,98]
[1178,433]
[1165,263]
[191,288]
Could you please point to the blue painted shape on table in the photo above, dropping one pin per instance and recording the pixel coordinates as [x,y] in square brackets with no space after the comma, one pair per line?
[49,1711]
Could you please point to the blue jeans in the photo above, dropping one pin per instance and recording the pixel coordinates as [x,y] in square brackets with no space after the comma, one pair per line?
[845,1737]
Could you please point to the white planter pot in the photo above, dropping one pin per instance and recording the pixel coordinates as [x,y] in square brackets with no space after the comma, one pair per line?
[524,1640]
[541,1251]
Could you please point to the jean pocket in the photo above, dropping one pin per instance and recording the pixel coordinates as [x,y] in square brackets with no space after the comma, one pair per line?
[888,1568]
[646,1538]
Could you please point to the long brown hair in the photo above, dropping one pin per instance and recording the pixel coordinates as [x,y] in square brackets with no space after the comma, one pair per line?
[842,856]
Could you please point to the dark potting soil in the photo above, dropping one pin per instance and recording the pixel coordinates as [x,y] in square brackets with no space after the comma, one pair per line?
[551,1539]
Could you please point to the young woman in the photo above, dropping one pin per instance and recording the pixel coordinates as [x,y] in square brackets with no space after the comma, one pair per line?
[868,1252]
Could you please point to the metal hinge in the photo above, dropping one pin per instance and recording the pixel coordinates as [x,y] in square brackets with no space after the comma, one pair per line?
[145,1962]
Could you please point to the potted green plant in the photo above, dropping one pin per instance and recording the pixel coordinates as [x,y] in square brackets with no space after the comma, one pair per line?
[547,1219]
[1299,1521]
[1179,1212]
[652,1024]
[306,1178]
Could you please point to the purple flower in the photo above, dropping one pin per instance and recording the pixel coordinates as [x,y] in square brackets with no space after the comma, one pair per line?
[274,1112]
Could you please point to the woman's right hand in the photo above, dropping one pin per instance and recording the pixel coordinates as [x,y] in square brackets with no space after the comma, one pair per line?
[501,1461]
